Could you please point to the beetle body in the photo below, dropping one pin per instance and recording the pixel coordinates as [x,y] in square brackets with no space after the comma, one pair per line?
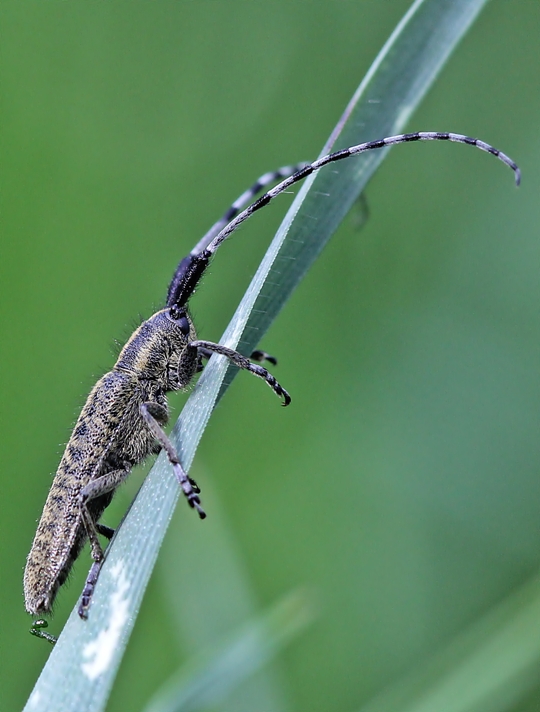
[110,436]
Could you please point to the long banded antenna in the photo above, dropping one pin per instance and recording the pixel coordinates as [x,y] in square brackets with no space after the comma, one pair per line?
[183,269]
[246,197]
[354,151]
[191,268]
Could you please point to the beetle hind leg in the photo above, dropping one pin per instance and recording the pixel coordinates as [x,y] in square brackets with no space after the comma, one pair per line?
[88,590]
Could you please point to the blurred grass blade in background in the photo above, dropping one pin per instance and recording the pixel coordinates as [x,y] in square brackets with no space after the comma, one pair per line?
[217,600]
[206,683]
[88,653]
[488,668]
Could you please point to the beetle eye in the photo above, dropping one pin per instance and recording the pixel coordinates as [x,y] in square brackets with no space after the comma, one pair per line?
[183,323]
[179,316]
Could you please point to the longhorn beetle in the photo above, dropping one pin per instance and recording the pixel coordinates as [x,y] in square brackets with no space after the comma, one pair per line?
[122,420]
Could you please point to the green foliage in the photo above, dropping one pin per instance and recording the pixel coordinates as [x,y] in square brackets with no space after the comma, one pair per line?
[402,482]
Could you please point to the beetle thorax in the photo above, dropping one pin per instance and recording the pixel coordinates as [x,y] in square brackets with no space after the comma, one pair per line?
[159,351]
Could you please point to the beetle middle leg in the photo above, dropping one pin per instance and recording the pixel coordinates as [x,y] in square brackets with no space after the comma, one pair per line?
[152,413]
[105,531]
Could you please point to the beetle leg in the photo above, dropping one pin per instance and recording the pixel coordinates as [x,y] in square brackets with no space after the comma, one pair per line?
[244,363]
[101,485]
[151,413]
[105,531]
[88,590]
[95,488]
[261,356]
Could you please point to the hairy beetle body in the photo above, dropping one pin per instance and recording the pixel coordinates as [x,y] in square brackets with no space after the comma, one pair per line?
[110,436]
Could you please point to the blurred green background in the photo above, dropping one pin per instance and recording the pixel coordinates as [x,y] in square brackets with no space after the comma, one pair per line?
[402,485]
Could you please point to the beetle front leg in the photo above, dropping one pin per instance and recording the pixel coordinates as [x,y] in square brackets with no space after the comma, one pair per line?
[261,356]
[257,355]
[151,413]
[245,364]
